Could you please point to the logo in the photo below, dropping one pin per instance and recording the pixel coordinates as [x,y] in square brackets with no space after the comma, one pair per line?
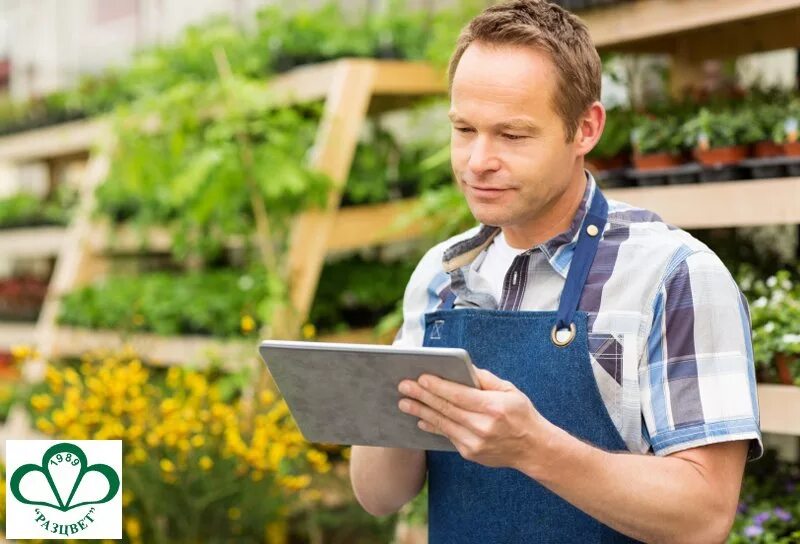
[74,492]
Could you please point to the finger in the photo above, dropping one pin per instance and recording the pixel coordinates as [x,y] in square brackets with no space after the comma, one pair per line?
[444,406]
[435,423]
[470,420]
[463,396]
[492,382]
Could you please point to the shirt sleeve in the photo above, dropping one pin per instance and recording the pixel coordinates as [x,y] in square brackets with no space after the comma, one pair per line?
[697,375]
[423,293]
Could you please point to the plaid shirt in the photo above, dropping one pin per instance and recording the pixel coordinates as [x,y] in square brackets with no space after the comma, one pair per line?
[669,329]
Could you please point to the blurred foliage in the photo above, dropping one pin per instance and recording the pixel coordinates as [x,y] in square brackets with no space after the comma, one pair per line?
[28,210]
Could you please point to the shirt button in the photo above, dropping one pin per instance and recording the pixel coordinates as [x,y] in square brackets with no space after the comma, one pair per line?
[592,230]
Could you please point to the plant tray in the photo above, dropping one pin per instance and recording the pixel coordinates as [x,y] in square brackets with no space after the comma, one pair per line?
[676,175]
[773,167]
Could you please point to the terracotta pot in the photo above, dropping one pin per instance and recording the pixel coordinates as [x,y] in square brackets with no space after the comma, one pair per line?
[718,156]
[792,149]
[656,161]
[768,148]
[784,362]
[601,164]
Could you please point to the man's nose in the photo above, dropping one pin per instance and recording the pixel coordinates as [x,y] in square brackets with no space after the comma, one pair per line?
[482,156]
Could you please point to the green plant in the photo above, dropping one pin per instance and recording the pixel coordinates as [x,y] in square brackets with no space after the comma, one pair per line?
[656,134]
[616,138]
[26,209]
[775,314]
[769,507]
[723,128]
[220,303]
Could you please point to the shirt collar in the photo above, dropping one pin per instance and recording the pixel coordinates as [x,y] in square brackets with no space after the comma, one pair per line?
[558,249]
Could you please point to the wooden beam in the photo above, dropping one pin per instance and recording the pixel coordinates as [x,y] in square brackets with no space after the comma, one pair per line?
[723,204]
[12,334]
[345,109]
[780,408]
[629,23]
[59,140]
[155,349]
[29,242]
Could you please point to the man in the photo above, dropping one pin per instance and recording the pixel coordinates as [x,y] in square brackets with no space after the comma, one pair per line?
[617,397]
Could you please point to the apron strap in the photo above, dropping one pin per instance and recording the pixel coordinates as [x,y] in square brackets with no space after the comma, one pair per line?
[585,250]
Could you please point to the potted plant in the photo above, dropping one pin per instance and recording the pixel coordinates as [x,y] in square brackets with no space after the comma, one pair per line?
[717,136]
[775,319]
[613,150]
[656,142]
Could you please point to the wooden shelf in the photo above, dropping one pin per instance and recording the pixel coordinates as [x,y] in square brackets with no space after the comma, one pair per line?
[354,227]
[29,242]
[17,333]
[65,139]
[697,28]
[722,204]
[171,350]
[780,408]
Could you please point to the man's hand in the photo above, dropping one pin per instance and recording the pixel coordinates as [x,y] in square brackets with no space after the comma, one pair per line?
[492,426]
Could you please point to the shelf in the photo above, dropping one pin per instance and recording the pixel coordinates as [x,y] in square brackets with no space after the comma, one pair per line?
[780,408]
[697,28]
[354,227]
[31,242]
[17,333]
[65,139]
[721,204]
[159,350]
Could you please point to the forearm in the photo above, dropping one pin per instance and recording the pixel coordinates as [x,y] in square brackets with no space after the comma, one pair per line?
[653,499]
[384,479]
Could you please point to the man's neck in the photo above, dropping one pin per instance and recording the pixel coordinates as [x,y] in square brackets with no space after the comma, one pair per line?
[555,220]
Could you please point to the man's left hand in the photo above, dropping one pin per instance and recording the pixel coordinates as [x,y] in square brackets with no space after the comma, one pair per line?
[495,426]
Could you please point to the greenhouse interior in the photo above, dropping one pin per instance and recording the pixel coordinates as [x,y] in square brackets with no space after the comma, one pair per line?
[181,181]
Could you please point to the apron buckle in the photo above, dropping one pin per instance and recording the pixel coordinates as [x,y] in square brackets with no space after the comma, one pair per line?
[560,340]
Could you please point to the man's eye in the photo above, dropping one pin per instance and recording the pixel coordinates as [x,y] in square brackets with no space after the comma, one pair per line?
[512,136]
[463,129]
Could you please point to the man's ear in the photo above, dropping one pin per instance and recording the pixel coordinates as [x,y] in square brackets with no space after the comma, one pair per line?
[590,128]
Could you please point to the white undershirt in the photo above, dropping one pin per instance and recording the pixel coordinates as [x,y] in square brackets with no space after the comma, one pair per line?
[492,271]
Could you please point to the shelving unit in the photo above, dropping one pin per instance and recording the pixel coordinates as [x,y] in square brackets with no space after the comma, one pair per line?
[351,90]
[689,30]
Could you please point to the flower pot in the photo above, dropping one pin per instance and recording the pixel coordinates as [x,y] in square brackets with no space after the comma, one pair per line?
[602,164]
[783,364]
[656,161]
[792,148]
[717,156]
[768,148]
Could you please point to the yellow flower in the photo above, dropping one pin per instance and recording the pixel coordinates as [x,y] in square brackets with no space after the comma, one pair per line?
[248,323]
[41,402]
[198,440]
[138,455]
[205,462]
[309,331]
[127,497]
[257,475]
[234,513]
[167,466]
[277,532]
[21,352]
[266,397]
[133,528]
[45,426]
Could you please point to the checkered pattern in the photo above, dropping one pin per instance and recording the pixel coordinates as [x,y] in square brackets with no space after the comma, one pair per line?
[669,329]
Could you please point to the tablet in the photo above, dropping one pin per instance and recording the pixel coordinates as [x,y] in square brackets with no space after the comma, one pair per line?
[347,393]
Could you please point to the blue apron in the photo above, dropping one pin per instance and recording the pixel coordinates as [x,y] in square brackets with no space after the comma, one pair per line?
[546,356]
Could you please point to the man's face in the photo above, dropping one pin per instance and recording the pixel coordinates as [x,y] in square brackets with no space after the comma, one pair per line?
[508,146]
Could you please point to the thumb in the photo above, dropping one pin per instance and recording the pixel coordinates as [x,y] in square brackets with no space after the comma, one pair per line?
[489,381]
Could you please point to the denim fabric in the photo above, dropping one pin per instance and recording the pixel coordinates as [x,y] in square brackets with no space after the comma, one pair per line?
[473,504]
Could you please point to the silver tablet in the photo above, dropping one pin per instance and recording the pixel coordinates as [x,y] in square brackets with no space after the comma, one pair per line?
[347,393]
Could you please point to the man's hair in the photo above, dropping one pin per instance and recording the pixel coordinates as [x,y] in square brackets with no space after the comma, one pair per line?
[552,30]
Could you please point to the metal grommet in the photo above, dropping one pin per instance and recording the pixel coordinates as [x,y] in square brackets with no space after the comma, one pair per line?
[592,230]
[561,343]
